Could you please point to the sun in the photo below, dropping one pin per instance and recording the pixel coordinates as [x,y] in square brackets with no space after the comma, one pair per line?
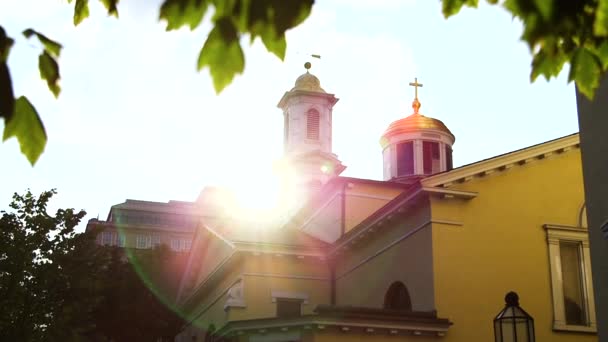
[267,193]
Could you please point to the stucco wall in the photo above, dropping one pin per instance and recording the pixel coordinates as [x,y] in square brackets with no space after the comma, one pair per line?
[362,200]
[365,271]
[502,245]
[288,274]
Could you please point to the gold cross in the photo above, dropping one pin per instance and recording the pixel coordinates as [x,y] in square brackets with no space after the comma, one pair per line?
[415,84]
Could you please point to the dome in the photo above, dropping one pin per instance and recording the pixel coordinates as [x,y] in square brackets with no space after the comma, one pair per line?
[414,123]
[308,82]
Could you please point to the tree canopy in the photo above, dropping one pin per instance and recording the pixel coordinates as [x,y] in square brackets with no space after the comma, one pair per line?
[557,33]
[59,285]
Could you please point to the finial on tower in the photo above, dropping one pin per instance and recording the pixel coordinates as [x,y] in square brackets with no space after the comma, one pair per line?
[416,104]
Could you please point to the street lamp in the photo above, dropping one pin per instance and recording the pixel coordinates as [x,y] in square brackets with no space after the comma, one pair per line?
[513,324]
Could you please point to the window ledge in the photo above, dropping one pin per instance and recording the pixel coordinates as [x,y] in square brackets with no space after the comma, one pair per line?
[575,328]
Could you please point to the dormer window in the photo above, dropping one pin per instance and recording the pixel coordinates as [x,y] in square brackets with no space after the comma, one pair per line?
[312,124]
[405,158]
[431,160]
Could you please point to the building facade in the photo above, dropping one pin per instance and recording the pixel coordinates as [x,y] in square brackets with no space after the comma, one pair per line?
[427,254]
[145,225]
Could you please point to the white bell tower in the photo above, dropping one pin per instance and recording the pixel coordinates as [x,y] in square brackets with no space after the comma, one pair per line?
[307,113]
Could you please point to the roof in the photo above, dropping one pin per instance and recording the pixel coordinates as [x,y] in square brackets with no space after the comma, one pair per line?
[415,123]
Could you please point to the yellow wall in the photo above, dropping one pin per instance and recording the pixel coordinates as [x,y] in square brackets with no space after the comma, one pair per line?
[265,273]
[362,200]
[365,272]
[209,307]
[502,246]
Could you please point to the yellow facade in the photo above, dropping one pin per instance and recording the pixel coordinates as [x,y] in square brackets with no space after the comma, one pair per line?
[458,240]
[502,246]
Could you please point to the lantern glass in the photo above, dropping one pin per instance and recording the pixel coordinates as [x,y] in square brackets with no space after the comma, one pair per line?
[513,324]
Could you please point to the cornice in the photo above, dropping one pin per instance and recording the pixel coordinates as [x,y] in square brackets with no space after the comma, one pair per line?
[503,162]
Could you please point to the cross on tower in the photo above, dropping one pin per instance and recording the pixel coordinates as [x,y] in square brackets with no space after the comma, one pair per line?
[415,84]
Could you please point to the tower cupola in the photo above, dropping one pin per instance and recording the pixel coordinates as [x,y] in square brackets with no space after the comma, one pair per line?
[416,146]
[307,114]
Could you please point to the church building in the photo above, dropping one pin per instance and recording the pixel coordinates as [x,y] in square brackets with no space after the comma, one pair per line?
[426,254]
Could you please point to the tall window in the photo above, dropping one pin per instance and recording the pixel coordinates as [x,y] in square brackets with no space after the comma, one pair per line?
[312,124]
[573,307]
[573,283]
[405,158]
[397,297]
[448,158]
[431,160]
[155,240]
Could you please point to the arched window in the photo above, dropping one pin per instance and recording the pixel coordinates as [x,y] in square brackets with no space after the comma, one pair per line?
[397,297]
[312,124]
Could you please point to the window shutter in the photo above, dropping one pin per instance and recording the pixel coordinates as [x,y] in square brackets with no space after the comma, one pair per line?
[312,124]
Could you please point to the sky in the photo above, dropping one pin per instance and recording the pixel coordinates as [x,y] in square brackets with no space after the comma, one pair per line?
[135,120]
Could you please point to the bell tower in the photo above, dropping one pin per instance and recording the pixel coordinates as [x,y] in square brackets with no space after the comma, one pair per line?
[416,146]
[307,114]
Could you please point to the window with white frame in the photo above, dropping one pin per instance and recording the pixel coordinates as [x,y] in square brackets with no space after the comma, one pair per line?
[155,240]
[143,241]
[180,245]
[570,261]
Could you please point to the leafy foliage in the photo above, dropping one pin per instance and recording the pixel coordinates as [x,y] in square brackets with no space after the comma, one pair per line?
[559,32]
[33,266]
[58,285]
[222,52]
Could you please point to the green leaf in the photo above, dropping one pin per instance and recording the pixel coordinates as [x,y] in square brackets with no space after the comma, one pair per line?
[546,65]
[451,7]
[7,99]
[50,46]
[111,7]
[270,19]
[6,43]
[585,71]
[179,13]
[276,45]
[81,11]
[544,7]
[222,53]
[49,71]
[600,25]
[602,54]
[27,127]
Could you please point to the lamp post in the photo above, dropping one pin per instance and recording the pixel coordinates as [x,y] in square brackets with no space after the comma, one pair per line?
[513,324]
